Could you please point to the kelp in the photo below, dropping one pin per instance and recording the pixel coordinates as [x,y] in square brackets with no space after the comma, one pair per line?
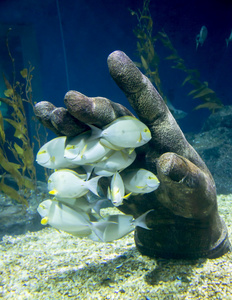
[201,89]
[19,148]
[149,60]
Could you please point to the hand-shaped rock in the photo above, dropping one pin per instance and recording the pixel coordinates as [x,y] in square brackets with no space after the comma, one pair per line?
[184,222]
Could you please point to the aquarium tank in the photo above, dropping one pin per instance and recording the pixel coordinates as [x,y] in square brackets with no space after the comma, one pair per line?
[115,149]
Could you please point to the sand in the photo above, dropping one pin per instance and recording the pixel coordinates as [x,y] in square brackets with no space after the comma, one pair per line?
[54,265]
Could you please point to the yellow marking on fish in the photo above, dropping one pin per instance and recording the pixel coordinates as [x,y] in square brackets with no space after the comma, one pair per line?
[127,196]
[44,221]
[130,150]
[139,187]
[42,152]
[53,192]
[53,159]
[115,192]
[70,147]
[83,151]
[140,137]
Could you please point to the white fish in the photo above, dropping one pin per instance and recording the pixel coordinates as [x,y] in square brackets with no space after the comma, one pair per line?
[92,152]
[124,132]
[67,184]
[51,154]
[83,204]
[201,37]
[117,226]
[118,160]
[116,192]
[140,181]
[74,145]
[229,39]
[177,113]
[62,217]
[77,222]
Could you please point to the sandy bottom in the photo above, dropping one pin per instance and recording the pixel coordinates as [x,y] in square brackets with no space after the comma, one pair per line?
[53,265]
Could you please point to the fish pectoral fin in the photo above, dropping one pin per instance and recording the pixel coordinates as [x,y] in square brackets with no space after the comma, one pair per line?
[109,193]
[52,159]
[109,145]
[130,150]
[139,187]
[83,151]
[127,196]
[140,138]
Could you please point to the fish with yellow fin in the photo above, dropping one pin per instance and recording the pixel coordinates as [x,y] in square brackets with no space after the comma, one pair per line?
[51,154]
[139,181]
[68,184]
[74,146]
[116,191]
[115,161]
[92,152]
[123,132]
[78,223]
[62,217]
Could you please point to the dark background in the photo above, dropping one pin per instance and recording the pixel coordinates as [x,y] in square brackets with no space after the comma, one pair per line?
[93,29]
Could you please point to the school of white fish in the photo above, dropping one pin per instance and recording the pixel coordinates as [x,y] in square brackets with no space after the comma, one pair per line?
[78,198]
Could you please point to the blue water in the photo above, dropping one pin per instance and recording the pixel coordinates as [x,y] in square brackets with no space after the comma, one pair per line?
[90,30]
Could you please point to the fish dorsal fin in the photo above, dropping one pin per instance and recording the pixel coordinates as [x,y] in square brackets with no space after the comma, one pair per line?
[131,118]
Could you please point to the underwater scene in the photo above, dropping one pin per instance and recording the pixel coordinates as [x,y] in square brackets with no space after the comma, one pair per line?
[115,149]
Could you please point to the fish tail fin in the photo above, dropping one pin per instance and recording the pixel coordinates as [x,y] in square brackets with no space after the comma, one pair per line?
[141,220]
[88,169]
[99,204]
[92,185]
[95,134]
[99,228]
